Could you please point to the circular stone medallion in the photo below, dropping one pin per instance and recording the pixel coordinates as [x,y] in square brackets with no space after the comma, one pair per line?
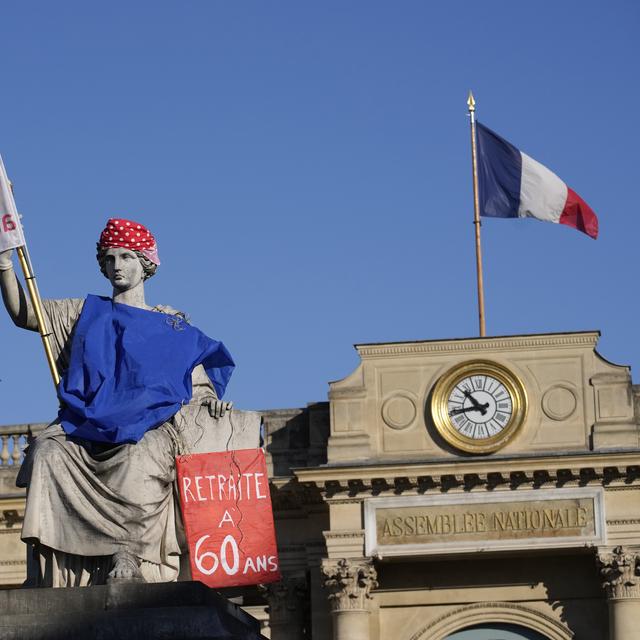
[399,411]
[559,402]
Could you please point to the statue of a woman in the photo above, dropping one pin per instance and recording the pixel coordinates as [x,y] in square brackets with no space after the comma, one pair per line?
[100,500]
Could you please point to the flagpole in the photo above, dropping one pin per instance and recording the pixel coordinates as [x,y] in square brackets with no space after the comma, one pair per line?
[36,303]
[471,103]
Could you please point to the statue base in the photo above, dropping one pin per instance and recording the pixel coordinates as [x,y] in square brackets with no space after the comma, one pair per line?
[166,611]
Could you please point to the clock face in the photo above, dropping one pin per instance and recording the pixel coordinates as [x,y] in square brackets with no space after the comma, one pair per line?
[478,406]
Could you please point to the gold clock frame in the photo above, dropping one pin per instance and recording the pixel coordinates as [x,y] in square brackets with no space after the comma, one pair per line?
[440,409]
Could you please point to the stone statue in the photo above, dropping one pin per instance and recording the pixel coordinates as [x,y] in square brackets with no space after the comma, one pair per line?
[100,499]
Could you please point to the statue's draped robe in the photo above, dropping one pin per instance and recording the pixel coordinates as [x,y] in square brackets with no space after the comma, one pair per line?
[86,501]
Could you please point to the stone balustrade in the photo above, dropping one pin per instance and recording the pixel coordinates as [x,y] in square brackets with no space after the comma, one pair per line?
[13,440]
[293,437]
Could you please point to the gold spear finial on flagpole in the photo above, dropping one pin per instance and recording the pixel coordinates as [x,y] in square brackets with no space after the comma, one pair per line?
[471,104]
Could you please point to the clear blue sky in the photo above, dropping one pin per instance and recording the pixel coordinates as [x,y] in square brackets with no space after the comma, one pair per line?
[306,170]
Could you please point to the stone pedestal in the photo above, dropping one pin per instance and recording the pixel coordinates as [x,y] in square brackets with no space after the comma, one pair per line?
[349,583]
[168,611]
[619,571]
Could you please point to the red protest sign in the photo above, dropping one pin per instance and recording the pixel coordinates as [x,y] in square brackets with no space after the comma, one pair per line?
[226,508]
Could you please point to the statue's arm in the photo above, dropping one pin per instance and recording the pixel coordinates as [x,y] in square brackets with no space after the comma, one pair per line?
[15,301]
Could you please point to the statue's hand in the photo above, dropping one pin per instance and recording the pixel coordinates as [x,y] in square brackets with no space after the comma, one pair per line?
[217,408]
[5,260]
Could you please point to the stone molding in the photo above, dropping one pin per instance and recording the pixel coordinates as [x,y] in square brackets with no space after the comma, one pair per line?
[588,339]
[624,487]
[349,582]
[349,485]
[344,543]
[619,572]
[11,519]
[507,612]
[289,495]
[350,393]
[343,485]
[623,522]
[285,600]
[343,534]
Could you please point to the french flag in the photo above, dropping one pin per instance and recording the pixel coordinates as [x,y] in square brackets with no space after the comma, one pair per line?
[514,185]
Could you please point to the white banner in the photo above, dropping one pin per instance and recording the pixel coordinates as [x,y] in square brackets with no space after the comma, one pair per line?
[11,235]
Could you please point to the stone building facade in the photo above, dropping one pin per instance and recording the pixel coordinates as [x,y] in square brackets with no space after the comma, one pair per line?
[405,513]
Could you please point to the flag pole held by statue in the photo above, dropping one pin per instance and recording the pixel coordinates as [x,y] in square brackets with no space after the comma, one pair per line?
[12,237]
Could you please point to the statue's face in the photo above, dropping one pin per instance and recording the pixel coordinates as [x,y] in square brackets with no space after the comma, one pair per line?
[123,268]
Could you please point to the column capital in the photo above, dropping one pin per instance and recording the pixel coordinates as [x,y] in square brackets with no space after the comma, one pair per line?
[285,598]
[619,571]
[349,582]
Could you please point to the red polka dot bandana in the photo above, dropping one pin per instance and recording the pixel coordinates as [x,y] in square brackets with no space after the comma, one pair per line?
[129,235]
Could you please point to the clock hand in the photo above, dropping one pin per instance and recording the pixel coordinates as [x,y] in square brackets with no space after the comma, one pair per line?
[482,408]
[467,394]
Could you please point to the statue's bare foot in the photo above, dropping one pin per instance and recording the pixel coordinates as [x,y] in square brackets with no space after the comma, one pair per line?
[126,568]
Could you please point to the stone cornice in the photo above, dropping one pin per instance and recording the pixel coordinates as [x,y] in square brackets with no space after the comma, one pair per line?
[469,345]
[468,466]
[615,470]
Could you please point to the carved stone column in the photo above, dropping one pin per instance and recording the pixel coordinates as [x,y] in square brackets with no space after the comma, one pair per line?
[619,571]
[287,605]
[349,583]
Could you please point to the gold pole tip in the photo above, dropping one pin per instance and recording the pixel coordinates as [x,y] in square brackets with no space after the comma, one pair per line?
[471,103]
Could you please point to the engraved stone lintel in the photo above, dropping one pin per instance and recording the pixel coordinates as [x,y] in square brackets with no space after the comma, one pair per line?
[420,525]
[349,583]
[619,571]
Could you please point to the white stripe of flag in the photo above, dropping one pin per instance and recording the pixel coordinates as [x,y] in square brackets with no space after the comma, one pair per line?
[542,193]
[11,235]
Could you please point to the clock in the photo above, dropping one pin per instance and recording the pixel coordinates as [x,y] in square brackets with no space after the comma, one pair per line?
[478,406]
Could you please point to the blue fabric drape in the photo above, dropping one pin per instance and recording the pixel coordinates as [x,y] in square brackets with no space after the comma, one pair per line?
[130,370]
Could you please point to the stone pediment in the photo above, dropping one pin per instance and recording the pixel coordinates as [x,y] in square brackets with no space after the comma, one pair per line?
[576,401]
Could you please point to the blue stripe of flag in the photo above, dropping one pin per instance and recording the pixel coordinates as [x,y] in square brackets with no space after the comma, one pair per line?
[499,175]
